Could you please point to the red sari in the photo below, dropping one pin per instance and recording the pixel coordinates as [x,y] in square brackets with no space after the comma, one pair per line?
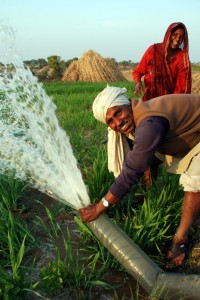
[161,76]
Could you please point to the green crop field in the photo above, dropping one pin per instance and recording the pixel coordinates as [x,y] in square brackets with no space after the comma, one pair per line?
[47,252]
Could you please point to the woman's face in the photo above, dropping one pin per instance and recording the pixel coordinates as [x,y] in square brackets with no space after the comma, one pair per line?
[177,38]
[120,118]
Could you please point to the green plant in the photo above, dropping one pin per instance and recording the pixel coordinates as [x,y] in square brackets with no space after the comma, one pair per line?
[15,260]
[50,228]
[18,229]
[12,191]
[70,271]
[14,282]
[11,288]
[98,180]
[150,224]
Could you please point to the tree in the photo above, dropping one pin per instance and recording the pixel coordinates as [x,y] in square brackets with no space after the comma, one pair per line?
[68,62]
[42,62]
[57,65]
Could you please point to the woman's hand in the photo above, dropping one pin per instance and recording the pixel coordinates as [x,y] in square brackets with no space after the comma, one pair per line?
[91,212]
[138,89]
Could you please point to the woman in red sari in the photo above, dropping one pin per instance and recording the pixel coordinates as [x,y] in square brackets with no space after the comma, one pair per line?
[165,66]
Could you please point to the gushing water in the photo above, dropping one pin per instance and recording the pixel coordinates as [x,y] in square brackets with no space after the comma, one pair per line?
[33,147]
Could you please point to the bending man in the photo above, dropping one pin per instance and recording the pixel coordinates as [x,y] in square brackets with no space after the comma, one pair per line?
[169,125]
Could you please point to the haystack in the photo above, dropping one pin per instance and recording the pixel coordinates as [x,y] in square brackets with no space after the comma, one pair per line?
[195,83]
[93,68]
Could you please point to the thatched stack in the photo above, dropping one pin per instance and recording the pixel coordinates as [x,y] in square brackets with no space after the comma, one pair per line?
[195,83]
[93,68]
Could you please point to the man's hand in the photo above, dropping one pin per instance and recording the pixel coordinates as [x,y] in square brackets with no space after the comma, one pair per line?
[91,212]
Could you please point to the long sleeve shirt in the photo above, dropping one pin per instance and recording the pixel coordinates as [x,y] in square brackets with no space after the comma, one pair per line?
[148,136]
[169,125]
[178,73]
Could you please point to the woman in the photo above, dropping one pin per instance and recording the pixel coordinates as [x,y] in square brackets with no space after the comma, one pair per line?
[165,66]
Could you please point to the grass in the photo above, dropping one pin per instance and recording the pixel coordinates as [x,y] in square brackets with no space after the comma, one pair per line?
[195,67]
[150,222]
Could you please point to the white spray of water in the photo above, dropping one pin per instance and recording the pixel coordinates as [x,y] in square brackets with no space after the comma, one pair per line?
[33,147]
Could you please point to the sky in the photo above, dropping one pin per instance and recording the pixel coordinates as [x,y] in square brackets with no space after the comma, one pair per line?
[119,29]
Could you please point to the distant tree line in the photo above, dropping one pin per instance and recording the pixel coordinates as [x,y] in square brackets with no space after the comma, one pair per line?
[52,61]
[55,59]
[58,66]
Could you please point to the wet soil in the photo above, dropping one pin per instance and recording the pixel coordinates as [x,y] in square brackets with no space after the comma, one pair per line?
[128,287]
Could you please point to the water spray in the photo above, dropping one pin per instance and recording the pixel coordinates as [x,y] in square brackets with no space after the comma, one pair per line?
[34,148]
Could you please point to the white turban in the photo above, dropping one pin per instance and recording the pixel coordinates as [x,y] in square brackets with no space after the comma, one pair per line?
[109,97]
[117,144]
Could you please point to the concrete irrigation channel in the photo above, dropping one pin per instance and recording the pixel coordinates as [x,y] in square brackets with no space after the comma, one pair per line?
[141,267]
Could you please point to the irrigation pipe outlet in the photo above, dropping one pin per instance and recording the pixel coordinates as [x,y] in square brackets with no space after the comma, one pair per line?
[141,267]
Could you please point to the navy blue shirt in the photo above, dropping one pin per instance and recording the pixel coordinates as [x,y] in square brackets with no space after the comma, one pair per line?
[148,136]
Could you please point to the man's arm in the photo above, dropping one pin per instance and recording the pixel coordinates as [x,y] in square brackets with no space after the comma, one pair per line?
[148,136]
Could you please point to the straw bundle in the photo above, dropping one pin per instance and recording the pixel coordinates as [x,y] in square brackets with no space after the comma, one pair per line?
[93,68]
[196,83]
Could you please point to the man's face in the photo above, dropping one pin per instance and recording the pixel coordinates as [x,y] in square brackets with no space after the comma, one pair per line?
[120,118]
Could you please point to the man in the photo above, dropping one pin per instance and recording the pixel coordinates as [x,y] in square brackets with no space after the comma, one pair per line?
[167,125]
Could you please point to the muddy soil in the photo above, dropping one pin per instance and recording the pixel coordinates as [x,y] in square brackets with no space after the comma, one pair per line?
[46,253]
